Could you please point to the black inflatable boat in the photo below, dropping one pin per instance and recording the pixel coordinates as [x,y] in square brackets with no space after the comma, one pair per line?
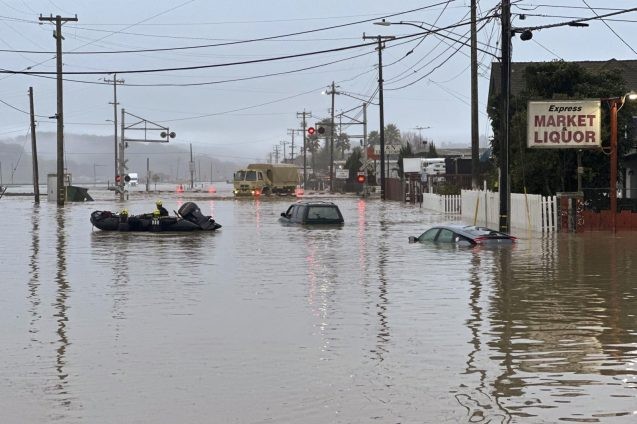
[189,218]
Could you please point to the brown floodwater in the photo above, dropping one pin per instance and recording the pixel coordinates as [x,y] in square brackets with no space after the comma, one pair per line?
[261,322]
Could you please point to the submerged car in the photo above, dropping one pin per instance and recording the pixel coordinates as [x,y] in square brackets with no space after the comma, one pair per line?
[312,212]
[463,235]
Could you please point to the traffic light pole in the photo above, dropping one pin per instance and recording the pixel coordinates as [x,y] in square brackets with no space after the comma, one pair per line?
[304,114]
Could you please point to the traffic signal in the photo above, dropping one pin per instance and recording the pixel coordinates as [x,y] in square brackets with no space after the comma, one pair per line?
[127,178]
[311,131]
[321,130]
[360,179]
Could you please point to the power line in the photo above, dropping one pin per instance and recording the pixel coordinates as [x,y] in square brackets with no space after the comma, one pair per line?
[246,62]
[609,27]
[226,43]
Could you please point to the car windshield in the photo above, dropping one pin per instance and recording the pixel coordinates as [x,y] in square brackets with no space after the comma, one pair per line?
[251,176]
[428,235]
[239,175]
[322,212]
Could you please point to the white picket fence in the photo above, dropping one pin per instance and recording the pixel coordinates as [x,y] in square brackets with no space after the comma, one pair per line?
[442,204]
[531,212]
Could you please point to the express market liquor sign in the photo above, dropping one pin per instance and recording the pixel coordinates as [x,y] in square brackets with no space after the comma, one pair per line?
[564,124]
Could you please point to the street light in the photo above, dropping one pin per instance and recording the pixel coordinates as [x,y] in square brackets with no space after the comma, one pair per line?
[616,103]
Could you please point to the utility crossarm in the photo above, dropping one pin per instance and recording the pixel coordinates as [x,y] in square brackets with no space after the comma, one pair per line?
[165,134]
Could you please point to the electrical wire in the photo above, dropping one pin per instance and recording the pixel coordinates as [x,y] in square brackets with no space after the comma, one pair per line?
[227,43]
[609,27]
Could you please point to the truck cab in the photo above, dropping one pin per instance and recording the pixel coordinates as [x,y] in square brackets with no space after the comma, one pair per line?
[248,182]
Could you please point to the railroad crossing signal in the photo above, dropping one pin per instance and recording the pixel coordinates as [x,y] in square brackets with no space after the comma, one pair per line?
[311,131]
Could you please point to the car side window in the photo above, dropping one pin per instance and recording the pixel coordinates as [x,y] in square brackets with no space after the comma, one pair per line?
[300,210]
[290,211]
[429,235]
[445,236]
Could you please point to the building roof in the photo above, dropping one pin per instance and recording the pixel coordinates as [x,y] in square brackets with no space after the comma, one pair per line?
[628,69]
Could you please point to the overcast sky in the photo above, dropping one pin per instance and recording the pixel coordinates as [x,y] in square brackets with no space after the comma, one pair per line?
[246,109]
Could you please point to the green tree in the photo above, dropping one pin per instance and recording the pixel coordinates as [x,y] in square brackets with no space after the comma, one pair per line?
[405,152]
[312,144]
[432,153]
[550,171]
[392,134]
[354,162]
[373,138]
[342,143]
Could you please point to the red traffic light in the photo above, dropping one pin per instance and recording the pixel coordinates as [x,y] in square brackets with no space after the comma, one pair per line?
[360,179]
[311,131]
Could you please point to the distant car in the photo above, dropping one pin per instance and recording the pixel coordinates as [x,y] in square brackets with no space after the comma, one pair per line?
[312,212]
[463,235]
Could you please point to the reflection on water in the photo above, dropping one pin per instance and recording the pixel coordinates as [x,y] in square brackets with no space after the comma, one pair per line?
[267,322]
[34,270]
[61,307]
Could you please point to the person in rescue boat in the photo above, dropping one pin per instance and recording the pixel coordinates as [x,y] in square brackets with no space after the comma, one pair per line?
[162,210]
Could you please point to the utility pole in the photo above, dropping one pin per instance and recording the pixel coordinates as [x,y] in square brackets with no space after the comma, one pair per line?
[115,81]
[34,151]
[291,131]
[283,143]
[332,141]
[505,75]
[191,167]
[380,39]
[147,174]
[121,164]
[276,153]
[305,115]
[61,189]
[475,140]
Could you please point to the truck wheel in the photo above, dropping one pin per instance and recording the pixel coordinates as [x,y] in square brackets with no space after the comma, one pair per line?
[266,191]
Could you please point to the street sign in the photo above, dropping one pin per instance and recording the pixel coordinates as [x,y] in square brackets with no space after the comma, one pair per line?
[342,174]
[574,124]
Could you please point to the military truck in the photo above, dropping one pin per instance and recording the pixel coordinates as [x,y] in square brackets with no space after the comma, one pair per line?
[266,179]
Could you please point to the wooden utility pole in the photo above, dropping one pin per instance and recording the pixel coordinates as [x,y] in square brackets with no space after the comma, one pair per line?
[147,174]
[505,74]
[380,40]
[34,151]
[61,189]
[475,140]
[115,81]
[291,131]
[333,93]
[191,168]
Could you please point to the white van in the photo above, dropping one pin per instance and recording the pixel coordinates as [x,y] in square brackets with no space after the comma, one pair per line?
[435,169]
[134,180]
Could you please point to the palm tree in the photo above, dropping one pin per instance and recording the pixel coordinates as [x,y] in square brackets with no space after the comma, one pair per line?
[342,143]
[313,145]
[392,134]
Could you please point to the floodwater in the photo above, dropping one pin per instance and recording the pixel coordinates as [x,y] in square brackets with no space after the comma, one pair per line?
[261,322]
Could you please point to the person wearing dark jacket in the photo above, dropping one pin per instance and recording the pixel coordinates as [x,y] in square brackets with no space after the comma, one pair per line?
[162,210]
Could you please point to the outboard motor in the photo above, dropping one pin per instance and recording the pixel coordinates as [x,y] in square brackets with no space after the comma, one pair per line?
[191,212]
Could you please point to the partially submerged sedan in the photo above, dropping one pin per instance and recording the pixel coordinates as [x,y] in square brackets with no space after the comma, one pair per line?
[312,212]
[463,235]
